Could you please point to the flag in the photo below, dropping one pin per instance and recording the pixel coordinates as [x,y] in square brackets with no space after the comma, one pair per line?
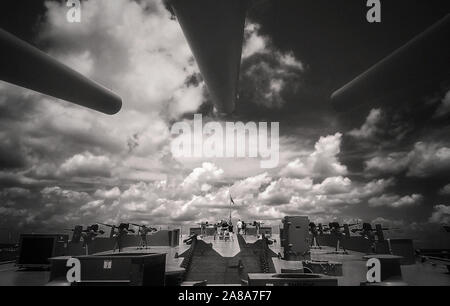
[231,199]
[231,202]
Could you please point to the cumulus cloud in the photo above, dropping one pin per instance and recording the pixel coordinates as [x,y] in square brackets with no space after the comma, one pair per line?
[113,193]
[185,200]
[395,201]
[266,71]
[251,185]
[334,185]
[369,128]
[282,190]
[92,205]
[258,197]
[377,186]
[254,43]
[424,160]
[322,162]
[326,198]
[440,214]
[393,163]
[445,190]
[87,165]
[122,44]
[203,177]
[15,193]
[285,196]
[383,128]
[427,159]
[389,222]
[55,194]
[444,107]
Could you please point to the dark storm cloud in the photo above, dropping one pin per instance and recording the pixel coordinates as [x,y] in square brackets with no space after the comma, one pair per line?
[11,154]
[265,80]
[404,137]
[424,160]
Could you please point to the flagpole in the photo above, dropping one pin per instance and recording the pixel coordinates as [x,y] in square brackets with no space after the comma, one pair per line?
[230,210]
[231,202]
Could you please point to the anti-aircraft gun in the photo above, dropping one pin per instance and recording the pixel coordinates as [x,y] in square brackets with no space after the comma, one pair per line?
[87,235]
[123,229]
[374,235]
[121,226]
[367,230]
[143,230]
[144,227]
[336,229]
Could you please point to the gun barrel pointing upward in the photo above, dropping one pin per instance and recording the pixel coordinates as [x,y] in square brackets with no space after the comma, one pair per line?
[215,32]
[24,65]
[422,61]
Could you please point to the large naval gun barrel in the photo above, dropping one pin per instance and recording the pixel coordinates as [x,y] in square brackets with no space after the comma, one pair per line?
[421,63]
[215,33]
[26,66]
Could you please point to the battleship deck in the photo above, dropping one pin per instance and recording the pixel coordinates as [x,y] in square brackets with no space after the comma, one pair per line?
[353,265]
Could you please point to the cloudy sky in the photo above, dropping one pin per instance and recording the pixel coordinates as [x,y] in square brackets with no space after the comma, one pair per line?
[62,165]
